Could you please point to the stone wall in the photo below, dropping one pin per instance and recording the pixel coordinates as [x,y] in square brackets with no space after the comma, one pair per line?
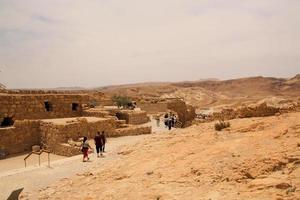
[186,113]
[21,137]
[92,112]
[131,130]
[33,106]
[74,148]
[64,149]
[133,117]
[257,110]
[261,110]
[153,108]
[54,132]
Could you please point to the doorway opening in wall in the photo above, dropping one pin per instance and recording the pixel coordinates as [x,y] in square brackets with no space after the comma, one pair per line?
[75,106]
[48,106]
[7,121]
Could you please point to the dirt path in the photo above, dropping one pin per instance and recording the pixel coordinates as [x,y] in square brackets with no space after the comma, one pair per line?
[34,178]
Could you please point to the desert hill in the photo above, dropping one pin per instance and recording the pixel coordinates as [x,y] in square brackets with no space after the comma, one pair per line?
[206,93]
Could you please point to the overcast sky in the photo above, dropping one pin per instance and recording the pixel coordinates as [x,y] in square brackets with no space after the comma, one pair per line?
[54,43]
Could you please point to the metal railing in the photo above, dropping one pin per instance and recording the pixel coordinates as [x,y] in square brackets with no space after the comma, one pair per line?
[39,154]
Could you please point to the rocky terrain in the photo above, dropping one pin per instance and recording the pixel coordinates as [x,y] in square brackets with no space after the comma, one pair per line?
[255,158]
[213,93]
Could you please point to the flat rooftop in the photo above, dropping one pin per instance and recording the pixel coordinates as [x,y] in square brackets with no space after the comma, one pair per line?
[65,121]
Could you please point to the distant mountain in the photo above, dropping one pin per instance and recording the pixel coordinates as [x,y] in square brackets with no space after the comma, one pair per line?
[212,92]
[261,86]
[2,87]
[295,79]
[69,88]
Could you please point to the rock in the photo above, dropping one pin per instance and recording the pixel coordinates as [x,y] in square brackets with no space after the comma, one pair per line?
[290,190]
[248,175]
[283,186]
[149,173]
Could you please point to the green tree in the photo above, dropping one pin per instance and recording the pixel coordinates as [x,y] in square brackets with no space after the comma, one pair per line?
[122,101]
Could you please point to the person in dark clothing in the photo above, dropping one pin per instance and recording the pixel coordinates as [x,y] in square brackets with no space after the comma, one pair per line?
[103,140]
[166,120]
[170,123]
[98,144]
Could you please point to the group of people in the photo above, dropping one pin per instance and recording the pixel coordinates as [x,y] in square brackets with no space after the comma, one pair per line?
[100,140]
[169,120]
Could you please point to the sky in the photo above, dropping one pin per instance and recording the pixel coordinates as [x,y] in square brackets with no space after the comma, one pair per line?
[90,43]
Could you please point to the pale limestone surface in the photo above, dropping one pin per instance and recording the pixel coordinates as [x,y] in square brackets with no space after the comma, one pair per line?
[256,158]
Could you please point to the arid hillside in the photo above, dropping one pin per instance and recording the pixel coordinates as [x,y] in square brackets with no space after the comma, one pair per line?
[208,93]
[256,158]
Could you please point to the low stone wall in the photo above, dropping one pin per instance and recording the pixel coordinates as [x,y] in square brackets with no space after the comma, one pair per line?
[55,132]
[133,117]
[58,135]
[21,137]
[121,124]
[64,149]
[260,110]
[95,113]
[131,130]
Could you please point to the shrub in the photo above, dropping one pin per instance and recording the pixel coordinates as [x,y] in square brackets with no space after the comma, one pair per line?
[221,125]
[122,101]
[93,103]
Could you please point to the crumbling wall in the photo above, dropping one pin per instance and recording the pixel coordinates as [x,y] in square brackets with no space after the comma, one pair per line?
[261,110]
[256,110]
[186,113]
[133,117]
[52,134]
[20,137]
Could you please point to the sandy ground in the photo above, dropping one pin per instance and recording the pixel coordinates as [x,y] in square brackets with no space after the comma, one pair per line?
[256,158]
[14,176]
[33,178]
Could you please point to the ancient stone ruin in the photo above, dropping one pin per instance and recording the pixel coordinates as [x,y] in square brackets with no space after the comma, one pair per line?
[56,120]
[186,113]
[263,108]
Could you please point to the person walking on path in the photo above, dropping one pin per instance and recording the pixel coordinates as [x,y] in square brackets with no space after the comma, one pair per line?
[157,118]
[85,149]
[103,141]
[166,120]
[98,144]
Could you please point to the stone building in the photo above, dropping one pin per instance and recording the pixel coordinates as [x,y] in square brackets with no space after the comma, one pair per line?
[53,119]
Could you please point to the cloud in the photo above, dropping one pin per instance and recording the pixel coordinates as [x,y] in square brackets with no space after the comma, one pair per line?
[43,19]
[92,43]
